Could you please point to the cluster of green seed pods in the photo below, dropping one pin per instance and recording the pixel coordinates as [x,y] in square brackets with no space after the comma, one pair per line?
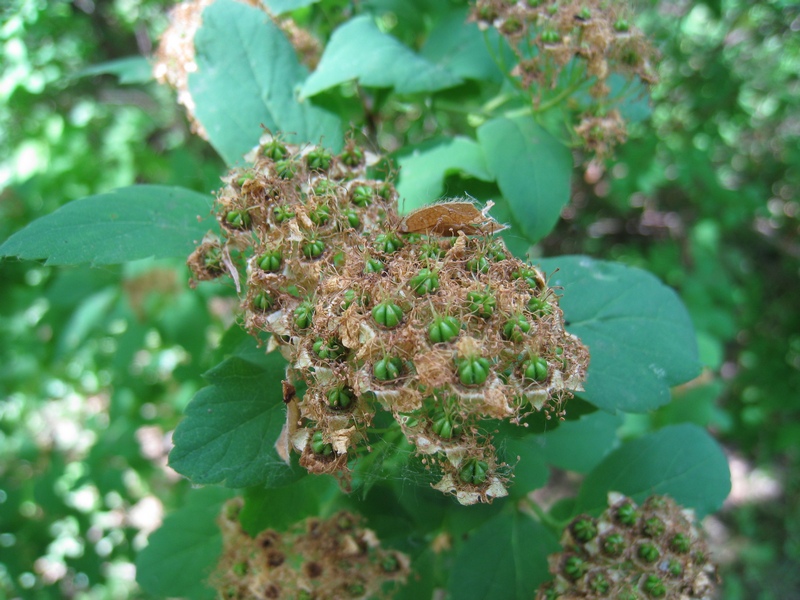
[649,551]
[444,332]
[331,558]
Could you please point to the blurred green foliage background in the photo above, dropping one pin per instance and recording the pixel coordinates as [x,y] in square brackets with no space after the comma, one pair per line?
[97,364]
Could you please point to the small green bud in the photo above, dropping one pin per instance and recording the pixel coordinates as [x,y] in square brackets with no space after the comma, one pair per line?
[613,544]
[388,368]
[431,251]
[212,259]
[352,157]
[340,398]
[319,446]
[621,26]
[550,37]
[654,587]
[282,213]
[443,329]
[387,314]
[389,563]
[474,471]
[270,261]
[388,243]
[373,265]
[424,282]
[674,568]
[356,589]
[680,543]
[443,426]
[534,3]
[575,568]
[511,26]
[320,215]
[349,298]
[626,514]
[530,276]
[245,178]
[240,569]
[478,264]
[362,195]
[584,14]
[473,370]
[653,527]
[262,301]
[648,553]
[313,248]
[304,314]
[599,584]
[535,369]
[481,304]
[323,187]
[352,217]
[584,529]
[275,150]
[286,168]
[539,307]
[386,190]
[319,159]
[515,328]
[238,219]
[328,349]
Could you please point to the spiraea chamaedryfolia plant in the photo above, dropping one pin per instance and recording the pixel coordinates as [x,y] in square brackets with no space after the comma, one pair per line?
[443,330]
[411,378]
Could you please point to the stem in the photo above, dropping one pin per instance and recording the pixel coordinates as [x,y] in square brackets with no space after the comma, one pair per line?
[565,93]
[554,524]
[497,58]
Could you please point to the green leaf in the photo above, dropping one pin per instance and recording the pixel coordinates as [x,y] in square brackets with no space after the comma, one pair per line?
[638,332]
[359,50]
[424,167]
[504,559]
[127,224]
[682,461]
[282,507]
[129,70]
[532,169]
[579,445]
[246,77]
[231,427]
[459,47]
[279,7]
[527,458]
[183,552]
[422,582]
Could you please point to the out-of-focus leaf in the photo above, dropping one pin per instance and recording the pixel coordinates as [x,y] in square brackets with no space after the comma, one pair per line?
[359,50]
[247,72]
[129,70]
[579,445]
[638,332]
[532,169]
[127,224]
[279,7]
[682,461]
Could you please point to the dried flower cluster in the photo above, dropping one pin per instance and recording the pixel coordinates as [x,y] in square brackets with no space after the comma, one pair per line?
[443,330]
[564,44]
[316,559]
[175,56]
[630,552]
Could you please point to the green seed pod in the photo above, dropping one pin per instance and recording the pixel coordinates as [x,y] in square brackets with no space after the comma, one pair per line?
[443,329]
[319,159]
[478,264]
[352,217]
[282,213]
[362,195]
[387,314]
[238,219]
[599,584]
[275,150]
[244,179]
[511,26]
[390,564]
[535,369]
[286,168]
[613,545]
[680,543]
[431,251]
[584,14]
[356,589]
[212,259]
[313,248]
[424,282]
[329,349]
[534,3]
[373,265]
[352,157]
[481,304]
[386,190]
[648,553]
[515,328]
[539,307]
[497,252]
[622,26]
[575,568]
[349,298]
[319,446]
[262,301]
[443,426]
[654,587]
[320,215]
[304,314]
[532,277]
[653,527]
[473,370]
[675,568]
[550,37]
[388,368]
[473,471]
[240,569]
[584,528]
[553,8]
[487,13]
[323,187]
[626,514]
[388,243]
[270,261]
[340,398]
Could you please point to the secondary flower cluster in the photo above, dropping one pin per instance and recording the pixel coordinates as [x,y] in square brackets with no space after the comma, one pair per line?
[315,559]
[652,551]
[443,331]
[566,44]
